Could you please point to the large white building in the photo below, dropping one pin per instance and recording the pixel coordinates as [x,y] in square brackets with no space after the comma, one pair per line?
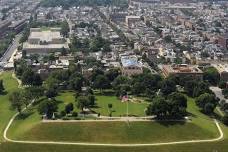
[45,41]
[130,65]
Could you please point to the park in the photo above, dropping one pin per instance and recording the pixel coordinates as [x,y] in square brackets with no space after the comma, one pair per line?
[29,126]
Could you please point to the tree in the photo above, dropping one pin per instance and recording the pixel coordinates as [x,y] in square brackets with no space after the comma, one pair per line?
[173,107]
[27,97]
[16,100]
[48,107]
[222,84]
[158,107]
[69,107]
[91,99]
[225,92]
[168,86]
[207,102]
[177,103]
[64,29]
[110,109]
[1,87]
[195,88]
[82,102]
[51,93]
[37,81]
[101,82]
[225,119]
[112,74]
[211,75]
[27,77]
[178,99]
[35,91]
[76,81]
[120,80]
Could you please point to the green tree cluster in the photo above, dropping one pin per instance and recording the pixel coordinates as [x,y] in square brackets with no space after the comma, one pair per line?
[174,106]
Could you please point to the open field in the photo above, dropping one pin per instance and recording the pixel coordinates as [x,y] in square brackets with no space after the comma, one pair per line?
[102,101]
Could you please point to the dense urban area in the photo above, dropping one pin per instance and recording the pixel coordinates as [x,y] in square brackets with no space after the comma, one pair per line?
[113,75]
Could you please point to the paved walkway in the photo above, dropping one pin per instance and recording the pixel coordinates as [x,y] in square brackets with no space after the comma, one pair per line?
[104,144]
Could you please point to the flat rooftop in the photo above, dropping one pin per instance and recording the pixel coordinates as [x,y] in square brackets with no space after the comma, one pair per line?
[45,35]
[130,61]
[49,46]
[182,68]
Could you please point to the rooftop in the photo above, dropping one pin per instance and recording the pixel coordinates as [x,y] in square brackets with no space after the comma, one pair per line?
[182,68]
[45,35]
[221,67]
[130,61]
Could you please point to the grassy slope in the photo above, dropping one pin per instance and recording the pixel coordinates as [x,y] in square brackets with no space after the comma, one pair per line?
[10,84]
[116,132]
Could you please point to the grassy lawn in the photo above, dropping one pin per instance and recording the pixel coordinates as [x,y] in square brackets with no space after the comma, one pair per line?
[119,108]
[10,84]
[115,132]
[102,101]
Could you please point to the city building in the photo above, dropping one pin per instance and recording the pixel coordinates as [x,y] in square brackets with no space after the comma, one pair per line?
[223,41]
[4,26]
[222,70]
[130,65]
[131,20]
[182,70]
[43,42]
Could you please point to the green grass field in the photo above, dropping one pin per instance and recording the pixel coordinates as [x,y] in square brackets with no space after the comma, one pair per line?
[32,121]
[116,132]
[102,101]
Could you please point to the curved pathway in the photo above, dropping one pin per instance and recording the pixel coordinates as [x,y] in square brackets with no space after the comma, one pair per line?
[104,144]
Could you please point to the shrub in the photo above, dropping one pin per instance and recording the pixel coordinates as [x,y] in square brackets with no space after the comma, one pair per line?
[74,114]
[225,119]
[63,113]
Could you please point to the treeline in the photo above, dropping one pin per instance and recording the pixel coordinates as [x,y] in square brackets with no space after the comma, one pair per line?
[69,3]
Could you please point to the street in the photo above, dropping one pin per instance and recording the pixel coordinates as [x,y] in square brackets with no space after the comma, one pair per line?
[9,52]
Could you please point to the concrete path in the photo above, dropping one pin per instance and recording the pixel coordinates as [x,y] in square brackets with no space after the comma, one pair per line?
[106,144]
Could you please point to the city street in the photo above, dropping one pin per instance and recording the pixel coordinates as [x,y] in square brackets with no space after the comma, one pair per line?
[9,52]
